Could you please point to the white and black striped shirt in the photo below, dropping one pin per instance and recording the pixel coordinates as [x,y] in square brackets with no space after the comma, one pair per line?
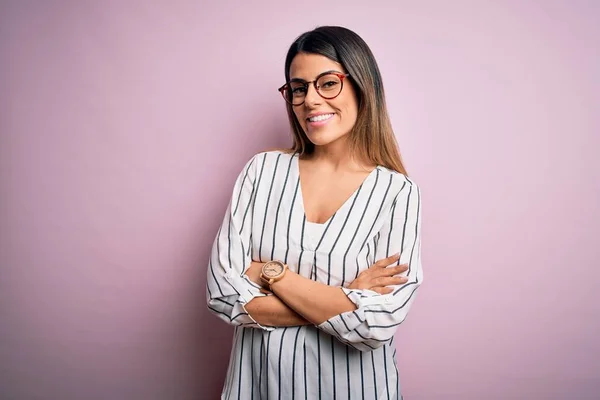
[352,355]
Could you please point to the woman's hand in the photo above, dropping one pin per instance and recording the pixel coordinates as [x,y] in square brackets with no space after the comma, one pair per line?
[379,276]
[253,273]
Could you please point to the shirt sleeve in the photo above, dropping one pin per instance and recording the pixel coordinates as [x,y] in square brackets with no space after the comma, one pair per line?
[377,316]
[228,289]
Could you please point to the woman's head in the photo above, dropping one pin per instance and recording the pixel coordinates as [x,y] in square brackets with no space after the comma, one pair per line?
[339,59]
[323,100]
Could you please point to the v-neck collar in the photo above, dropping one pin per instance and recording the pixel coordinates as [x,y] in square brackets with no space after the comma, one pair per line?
[343,206]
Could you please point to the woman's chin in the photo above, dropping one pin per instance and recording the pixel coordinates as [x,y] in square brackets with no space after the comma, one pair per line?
[322,138]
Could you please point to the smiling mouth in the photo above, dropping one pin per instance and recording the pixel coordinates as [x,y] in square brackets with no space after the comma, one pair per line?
[320,118]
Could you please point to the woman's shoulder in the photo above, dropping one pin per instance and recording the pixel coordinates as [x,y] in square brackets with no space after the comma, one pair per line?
[272,157]
[398,180]
[269,159]
[276,151]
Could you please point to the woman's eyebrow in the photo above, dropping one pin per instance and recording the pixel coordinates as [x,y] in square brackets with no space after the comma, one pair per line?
[331,71]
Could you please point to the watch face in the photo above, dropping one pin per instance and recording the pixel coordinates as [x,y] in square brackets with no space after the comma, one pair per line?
[272,269]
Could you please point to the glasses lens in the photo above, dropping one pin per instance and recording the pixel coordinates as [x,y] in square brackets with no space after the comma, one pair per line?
[329,86]
[295,93]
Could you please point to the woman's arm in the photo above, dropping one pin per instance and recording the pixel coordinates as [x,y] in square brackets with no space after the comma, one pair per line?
[228,290]
[377,316]
[298,301]
[316,302]
[271,311]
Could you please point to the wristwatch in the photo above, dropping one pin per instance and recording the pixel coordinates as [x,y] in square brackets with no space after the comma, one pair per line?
[272,272]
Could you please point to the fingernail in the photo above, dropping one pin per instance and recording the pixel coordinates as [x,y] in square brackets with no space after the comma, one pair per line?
[396,255]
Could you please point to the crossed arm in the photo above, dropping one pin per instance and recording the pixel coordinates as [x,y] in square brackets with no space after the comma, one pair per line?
[297,300]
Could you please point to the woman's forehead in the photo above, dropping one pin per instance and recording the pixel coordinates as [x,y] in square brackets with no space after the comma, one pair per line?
[307,66]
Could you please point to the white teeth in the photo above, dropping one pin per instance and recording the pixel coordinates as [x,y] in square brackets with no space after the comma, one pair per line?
[321,117]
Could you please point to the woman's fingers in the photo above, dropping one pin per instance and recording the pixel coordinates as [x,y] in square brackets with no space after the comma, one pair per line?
[380,275]
[391,271]
[390,281]
[387,261]
[399,280]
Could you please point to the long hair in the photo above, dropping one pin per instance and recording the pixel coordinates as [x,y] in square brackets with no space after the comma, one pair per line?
[372,138]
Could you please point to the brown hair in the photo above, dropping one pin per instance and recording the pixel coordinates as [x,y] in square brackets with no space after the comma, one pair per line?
[372,138]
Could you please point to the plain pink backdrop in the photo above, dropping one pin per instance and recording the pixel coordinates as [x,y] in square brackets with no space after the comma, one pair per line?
[123,126]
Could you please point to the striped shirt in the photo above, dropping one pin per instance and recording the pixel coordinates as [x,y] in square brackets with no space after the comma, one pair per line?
[352,355]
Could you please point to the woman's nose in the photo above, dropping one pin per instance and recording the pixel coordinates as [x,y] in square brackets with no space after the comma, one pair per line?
[312,97]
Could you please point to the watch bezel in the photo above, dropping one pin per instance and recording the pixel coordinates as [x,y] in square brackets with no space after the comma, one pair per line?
[280,264]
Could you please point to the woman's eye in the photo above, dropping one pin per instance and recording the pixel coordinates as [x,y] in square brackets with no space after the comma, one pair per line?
[329,84]
[298,90]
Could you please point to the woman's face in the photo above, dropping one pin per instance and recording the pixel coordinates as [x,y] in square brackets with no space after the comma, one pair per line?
[335,117]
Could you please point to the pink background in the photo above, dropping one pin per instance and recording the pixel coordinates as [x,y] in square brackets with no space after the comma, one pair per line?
[123,127]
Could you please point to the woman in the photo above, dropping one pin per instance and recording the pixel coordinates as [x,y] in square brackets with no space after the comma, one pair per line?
[318,258]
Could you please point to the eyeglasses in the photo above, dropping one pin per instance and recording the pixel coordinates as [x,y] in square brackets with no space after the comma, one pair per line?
[328,85]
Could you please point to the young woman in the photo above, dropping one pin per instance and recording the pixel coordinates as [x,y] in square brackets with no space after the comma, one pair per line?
[318,258]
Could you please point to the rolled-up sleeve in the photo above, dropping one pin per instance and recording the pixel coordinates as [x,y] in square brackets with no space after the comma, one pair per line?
[228,289]
[377,316]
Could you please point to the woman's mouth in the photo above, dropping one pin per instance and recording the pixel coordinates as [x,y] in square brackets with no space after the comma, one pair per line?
[319,120]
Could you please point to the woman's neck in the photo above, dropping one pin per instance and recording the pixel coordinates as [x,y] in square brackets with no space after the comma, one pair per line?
[338,158]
